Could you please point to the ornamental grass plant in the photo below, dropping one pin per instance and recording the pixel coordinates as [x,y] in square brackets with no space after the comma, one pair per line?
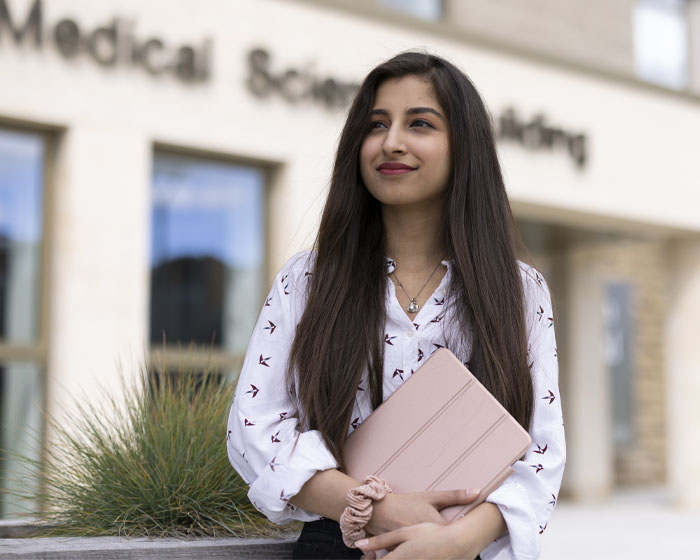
[150,462]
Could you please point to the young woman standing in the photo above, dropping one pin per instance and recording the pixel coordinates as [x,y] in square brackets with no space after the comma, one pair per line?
[416,250]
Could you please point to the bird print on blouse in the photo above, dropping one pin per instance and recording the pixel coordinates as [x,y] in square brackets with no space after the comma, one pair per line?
[263,429]
[285,283]
[263,361]
[438,318]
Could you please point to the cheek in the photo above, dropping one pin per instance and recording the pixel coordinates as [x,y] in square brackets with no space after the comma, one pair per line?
[366,158]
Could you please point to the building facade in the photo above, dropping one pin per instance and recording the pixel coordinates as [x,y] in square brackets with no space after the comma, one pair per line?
[159,162]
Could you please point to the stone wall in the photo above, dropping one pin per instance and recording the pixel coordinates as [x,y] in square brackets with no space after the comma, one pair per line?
[642,264]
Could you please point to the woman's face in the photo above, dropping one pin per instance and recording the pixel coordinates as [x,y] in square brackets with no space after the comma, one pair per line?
[405,157]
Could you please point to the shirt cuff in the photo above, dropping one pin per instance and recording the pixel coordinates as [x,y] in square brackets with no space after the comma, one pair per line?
[285,475]
[522,541]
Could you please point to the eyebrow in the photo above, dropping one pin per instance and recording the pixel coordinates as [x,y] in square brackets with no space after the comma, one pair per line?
[411,111]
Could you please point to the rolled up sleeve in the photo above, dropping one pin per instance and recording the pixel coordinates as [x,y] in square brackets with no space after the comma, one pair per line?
[264,443]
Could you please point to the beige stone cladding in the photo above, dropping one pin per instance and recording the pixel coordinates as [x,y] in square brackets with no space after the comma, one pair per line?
[642,265]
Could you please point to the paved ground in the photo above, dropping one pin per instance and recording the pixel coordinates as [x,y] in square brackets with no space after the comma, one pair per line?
[633,525]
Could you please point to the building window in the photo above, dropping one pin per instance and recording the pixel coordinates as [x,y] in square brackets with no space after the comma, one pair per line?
[431,10]
[22,156]
[618,326]
[661,42]
[207,257]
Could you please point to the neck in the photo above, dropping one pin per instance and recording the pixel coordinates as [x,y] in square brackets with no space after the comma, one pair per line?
[413,236]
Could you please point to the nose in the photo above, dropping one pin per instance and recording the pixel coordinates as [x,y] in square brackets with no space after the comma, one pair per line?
[394,141]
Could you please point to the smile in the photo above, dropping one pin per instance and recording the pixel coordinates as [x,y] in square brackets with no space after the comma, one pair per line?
[394,168]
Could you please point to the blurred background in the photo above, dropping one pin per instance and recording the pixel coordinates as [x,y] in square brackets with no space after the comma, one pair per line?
[160,160]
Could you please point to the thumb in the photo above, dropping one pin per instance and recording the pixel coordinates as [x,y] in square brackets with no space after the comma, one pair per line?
[445,498]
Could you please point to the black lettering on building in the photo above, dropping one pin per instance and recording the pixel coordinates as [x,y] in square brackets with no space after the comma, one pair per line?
[103,44]
[294,84]
[33,24]
[111,44]
[66,34]
[536,134]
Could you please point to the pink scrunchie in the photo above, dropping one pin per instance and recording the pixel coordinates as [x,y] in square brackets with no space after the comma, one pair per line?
[359,511]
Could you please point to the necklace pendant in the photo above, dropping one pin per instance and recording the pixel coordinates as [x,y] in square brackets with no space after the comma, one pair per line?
[413,306]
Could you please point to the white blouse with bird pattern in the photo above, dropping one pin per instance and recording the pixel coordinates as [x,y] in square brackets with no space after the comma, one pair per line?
[275,459]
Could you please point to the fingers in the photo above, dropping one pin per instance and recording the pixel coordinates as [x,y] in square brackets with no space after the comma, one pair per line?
[385,540]
[445,498]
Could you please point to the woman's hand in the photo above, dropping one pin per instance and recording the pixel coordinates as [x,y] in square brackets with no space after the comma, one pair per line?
[425,540]
[401,510]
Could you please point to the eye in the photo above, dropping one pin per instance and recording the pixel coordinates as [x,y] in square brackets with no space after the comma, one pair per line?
[376,124]
[421,123]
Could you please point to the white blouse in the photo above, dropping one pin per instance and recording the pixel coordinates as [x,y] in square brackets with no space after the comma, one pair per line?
[275,459]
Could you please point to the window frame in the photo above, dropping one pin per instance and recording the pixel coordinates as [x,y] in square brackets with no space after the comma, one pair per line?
[36,353]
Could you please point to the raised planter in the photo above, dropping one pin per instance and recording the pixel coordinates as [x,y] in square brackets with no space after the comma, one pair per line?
[120,548]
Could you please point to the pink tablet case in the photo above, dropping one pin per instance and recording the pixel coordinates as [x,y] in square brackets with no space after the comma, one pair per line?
[441,430]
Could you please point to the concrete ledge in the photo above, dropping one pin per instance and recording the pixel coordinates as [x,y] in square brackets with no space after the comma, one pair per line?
[19,528]
[118,548]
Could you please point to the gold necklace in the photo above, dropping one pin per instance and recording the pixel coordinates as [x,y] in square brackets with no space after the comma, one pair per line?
[413,307]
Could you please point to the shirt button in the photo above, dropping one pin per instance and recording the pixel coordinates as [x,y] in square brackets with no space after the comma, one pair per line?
[410,333]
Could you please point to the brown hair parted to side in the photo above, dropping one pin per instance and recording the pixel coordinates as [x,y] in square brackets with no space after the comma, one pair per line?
[340,335]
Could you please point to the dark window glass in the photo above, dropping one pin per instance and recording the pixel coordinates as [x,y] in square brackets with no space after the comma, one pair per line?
[207,251]
[21,180]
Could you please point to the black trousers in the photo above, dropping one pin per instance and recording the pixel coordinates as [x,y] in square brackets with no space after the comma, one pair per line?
[322,539]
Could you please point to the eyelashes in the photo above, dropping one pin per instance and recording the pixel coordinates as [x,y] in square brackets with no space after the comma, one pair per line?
[417,123]
[422,123]
[376,124]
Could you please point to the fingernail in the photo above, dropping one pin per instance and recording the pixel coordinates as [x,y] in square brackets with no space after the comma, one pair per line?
[473,492]
[361,543]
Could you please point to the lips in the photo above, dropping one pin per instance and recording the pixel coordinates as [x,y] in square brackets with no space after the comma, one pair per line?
[394,168]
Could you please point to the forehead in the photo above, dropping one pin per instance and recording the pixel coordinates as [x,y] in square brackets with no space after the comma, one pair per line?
[405,92]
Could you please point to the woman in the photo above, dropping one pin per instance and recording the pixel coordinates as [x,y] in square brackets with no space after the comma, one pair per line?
[416,250]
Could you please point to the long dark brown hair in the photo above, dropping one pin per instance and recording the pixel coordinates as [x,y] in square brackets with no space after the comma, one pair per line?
[340,335]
